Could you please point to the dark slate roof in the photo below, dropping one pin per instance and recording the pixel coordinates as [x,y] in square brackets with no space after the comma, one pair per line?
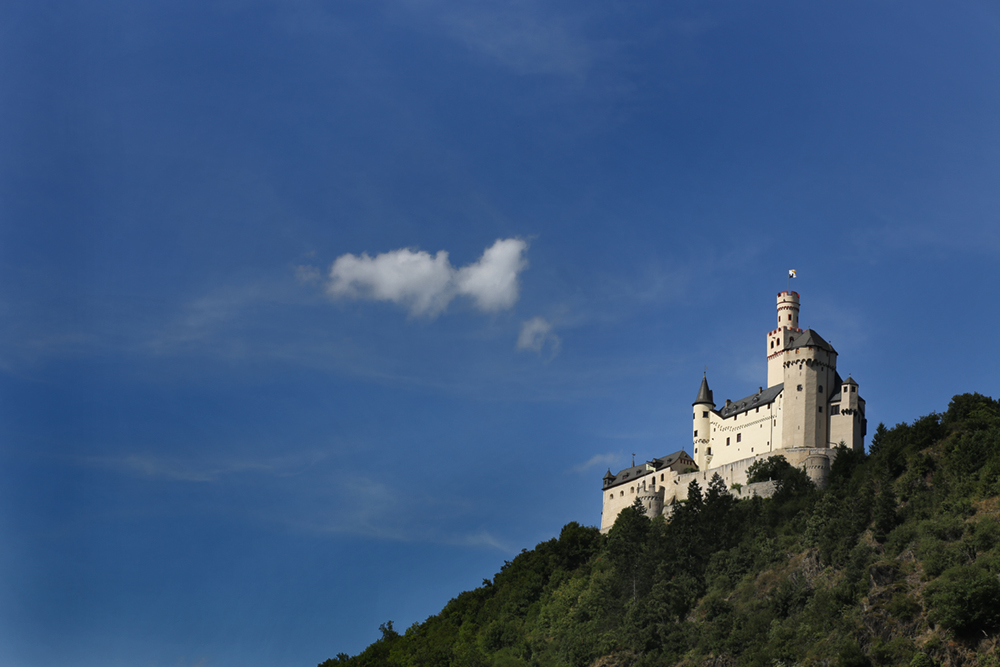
[835,398]
[810,338]
[704,393]
[637,472]
[753,401]
[671,459]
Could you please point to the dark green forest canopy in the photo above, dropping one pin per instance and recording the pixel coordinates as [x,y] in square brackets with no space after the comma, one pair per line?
[895,563]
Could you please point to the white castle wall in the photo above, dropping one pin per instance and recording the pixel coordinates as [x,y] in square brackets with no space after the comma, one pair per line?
[658,497]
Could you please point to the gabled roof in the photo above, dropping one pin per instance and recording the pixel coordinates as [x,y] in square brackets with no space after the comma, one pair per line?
[704,393]
[764,397]
[671,459]
[810,338]
[636,472]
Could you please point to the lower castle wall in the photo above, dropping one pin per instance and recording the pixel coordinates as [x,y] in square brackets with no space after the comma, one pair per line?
[815,461]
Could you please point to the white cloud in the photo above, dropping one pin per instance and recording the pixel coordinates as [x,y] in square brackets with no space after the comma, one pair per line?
[535,333]
[426,284]
[492,281]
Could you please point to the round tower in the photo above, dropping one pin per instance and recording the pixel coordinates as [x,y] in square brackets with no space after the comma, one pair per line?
[652,500]
[818,469]
[779,339]
[702,423]
[788,310]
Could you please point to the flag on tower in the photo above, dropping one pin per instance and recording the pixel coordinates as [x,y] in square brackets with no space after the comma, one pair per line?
[791,273]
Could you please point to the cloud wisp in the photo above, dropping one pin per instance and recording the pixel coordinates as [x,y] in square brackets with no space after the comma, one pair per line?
[535,334]
[596,460]
[425,284]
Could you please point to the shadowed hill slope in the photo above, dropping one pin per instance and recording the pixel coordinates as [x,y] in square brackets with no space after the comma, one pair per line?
[896,563]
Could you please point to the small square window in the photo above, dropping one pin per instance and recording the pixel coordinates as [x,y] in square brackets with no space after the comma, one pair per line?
[739,437]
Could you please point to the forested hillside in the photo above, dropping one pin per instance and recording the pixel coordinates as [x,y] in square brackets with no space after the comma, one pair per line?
[896,563]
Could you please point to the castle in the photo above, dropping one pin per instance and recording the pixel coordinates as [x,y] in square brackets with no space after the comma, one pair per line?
[806,410]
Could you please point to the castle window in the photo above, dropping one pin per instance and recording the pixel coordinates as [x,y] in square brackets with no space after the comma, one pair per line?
[611,496]
[820,389]
[834,409]
[799,388]
[631,489]
[696,433]
[709,451]
[739,437]
[705,414]
[727,442]
[661,477]
[622,494]
[821,408]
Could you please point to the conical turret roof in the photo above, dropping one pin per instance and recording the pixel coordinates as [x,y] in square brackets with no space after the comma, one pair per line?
[704,393]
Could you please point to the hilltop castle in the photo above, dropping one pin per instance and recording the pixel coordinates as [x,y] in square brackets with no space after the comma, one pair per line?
[806,410]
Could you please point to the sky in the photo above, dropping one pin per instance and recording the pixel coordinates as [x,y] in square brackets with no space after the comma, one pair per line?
[314,313]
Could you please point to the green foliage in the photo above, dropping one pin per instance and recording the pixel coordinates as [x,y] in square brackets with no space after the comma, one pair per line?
[965,599]
[804,577]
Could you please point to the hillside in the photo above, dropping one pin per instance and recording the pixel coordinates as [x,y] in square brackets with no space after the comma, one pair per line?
[896,563]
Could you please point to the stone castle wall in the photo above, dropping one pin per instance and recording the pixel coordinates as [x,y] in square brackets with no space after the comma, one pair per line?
[657,495]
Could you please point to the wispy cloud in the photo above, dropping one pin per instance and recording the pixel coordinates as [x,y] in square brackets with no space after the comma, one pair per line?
[366,507]
[535,334]
[526,37]
[425,284]
[597,460]
[178,470]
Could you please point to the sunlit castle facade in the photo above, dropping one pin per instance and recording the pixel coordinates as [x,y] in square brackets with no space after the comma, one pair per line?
[805,411]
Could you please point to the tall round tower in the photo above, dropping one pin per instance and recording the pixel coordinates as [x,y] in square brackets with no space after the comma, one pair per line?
[788,310]
[702,427]
[779,339]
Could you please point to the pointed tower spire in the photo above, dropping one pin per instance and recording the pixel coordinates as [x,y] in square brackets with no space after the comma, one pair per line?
[704,393]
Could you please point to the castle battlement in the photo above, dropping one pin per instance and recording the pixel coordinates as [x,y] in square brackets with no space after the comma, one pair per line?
[806,410]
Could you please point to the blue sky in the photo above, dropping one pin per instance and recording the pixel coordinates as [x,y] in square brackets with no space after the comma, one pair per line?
[313,313]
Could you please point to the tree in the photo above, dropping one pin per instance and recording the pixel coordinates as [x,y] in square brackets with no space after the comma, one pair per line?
[626,542]
[875,446]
